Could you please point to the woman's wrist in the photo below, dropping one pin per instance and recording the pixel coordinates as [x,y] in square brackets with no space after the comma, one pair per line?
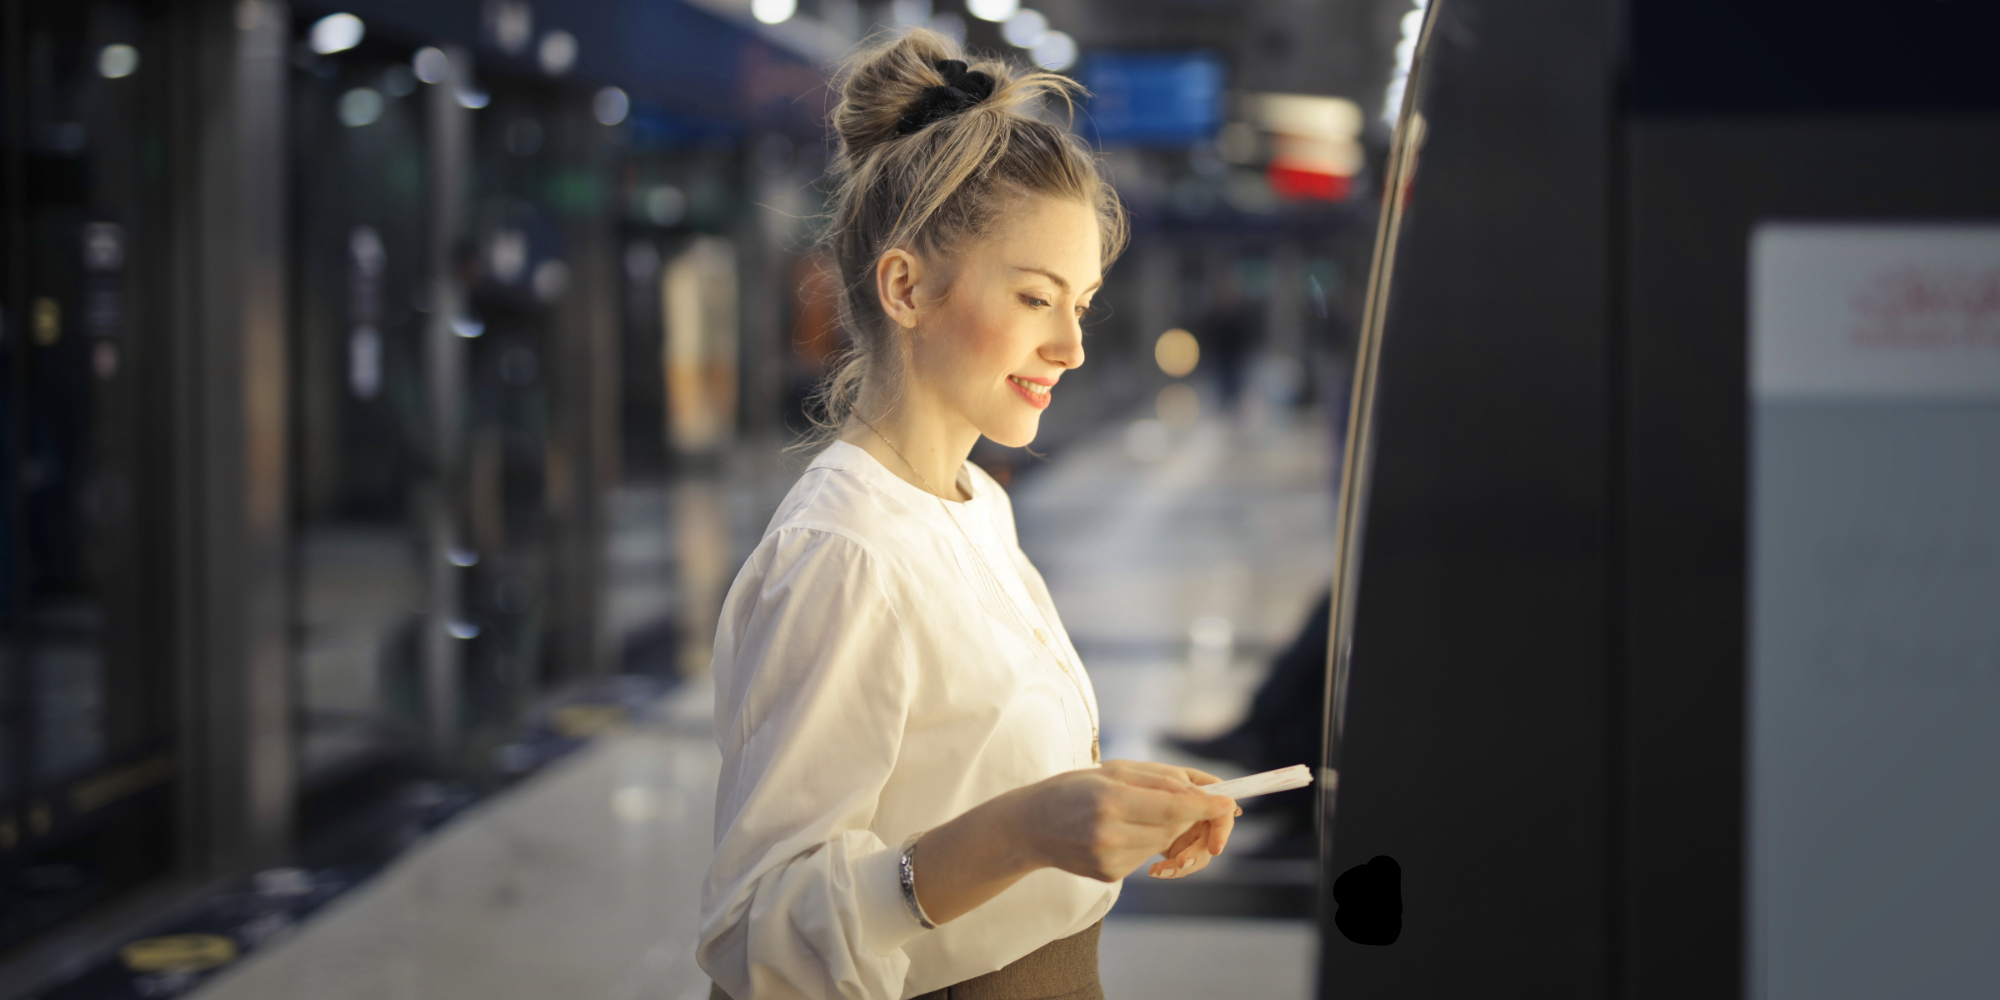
[971,859]
[1022,837]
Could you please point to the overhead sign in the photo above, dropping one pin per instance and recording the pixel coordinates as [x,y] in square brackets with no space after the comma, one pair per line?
[1152,98]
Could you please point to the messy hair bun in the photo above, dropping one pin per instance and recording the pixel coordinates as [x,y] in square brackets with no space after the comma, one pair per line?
[930,171]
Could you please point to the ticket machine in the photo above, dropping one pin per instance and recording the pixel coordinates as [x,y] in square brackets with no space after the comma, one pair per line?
[1667,645]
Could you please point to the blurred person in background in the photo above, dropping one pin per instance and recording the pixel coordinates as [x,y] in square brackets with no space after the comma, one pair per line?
[1286,724]
[910,795]
[1230,332]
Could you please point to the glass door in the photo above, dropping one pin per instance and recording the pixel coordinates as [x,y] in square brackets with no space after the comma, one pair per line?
[86,700]
[364,476]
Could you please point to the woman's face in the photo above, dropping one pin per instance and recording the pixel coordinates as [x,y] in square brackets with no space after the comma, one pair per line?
[992,345]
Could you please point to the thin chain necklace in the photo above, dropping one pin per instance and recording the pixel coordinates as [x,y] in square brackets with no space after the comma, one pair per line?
[1045,635]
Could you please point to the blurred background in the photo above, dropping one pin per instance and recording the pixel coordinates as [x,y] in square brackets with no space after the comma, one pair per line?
[393,388]
[389,392]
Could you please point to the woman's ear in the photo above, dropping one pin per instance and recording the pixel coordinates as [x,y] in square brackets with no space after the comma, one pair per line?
[897,277]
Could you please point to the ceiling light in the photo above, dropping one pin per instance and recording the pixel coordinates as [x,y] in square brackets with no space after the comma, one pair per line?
[774,11]
[336,33]
[1025,28]
[992,10]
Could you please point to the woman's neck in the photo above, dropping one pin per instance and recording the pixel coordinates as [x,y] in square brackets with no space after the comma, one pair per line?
[923,443]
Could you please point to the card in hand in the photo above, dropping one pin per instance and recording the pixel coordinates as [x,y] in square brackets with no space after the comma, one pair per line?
[1283,779]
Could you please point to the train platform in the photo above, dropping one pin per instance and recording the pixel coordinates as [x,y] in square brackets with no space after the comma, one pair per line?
[584,880]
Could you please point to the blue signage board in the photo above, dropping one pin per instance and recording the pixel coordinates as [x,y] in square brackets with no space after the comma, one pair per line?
[1152,98]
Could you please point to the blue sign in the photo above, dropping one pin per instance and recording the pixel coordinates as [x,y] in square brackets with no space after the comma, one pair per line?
[1152,98]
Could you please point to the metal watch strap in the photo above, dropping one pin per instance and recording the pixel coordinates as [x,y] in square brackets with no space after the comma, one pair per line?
[906,873]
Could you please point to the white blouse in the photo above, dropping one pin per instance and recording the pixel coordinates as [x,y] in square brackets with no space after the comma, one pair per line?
[875,677]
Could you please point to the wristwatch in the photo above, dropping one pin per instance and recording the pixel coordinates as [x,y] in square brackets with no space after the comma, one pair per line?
[906,872]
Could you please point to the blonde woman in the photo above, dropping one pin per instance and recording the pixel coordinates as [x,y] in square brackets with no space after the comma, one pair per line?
[911,802]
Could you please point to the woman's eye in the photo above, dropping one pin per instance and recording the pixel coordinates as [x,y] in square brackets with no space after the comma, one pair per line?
[1038,303]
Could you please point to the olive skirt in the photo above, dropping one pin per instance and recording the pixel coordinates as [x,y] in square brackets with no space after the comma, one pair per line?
[1059,970]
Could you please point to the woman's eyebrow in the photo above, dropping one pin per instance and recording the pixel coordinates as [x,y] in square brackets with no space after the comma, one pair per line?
[1052,276]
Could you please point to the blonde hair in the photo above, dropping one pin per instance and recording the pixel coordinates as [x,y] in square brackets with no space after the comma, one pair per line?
[936,189]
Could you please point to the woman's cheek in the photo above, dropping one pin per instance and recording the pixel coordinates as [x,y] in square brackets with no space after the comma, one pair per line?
[995,349]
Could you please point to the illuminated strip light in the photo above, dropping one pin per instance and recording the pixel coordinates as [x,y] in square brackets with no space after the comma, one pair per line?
[1406,52]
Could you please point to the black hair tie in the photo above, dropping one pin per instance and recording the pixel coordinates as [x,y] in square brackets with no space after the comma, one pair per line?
[961,90]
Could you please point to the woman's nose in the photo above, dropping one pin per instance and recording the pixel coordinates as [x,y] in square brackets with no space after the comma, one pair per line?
[1067,349]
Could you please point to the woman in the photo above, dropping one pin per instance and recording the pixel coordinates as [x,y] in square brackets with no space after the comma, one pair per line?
[910,802]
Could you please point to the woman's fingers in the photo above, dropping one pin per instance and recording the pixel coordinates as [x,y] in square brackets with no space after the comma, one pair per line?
[1176,809]
[1189,775]
[1148,775]
[1177,867]
[1219,831]
[1194,836]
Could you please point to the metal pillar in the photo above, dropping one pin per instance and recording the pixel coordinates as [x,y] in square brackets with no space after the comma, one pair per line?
[231,440]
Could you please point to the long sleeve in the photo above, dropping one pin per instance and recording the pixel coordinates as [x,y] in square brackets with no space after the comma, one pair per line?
[814,678]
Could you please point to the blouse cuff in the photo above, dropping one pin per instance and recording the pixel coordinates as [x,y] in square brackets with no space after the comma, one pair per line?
[886,923]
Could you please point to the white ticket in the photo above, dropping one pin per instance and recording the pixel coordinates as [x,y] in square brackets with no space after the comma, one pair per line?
[1283,779]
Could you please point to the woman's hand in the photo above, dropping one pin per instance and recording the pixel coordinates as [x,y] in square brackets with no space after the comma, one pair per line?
[1101,823]
[1104,822]
[1193,850]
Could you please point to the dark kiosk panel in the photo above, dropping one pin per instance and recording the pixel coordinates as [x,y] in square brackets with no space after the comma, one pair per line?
[1595,666]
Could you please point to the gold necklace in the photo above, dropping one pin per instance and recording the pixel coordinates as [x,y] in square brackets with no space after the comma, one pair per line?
[1044,635]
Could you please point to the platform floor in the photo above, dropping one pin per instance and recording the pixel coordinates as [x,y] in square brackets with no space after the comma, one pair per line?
[1178,568]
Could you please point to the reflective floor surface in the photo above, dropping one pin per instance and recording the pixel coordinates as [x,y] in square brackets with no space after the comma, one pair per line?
[1179,566]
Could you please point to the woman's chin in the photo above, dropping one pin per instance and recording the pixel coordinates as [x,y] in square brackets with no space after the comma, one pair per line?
[1016,434]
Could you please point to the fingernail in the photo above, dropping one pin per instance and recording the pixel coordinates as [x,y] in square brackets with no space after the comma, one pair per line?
[1239,810]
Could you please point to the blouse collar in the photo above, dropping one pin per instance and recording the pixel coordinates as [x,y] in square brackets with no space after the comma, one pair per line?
[856,460]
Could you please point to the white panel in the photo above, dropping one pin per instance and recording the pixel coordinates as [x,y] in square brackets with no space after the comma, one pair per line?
[1875,311]
[1873,863]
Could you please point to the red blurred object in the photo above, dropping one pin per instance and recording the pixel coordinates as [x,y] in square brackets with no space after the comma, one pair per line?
[1294,183]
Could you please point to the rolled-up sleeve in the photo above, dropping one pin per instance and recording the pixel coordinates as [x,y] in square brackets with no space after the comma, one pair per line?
[813,685]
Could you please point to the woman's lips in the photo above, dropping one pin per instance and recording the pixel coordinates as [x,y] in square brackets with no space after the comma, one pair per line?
[1032,393]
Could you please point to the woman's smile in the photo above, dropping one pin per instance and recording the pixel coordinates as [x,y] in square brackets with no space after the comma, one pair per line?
[1033,391]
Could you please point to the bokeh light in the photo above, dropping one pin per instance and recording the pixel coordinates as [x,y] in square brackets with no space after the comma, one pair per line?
[1025,28]
[360,106]
[557,53]
[1178,405]
[1177,352]
[336,33]
[992,10]
[430,64]
[1055,51]
[611,106]
[774,11]
[117,60]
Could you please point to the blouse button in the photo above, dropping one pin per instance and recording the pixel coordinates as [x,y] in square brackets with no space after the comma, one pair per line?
[1040,637]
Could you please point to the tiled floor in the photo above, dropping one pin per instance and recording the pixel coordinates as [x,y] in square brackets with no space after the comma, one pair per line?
[1176,573]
